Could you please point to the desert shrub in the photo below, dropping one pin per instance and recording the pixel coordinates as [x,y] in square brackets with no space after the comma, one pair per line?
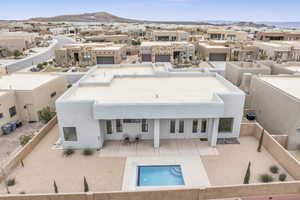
[24,139]
[68,152]
[10,182]
[46,114]
[248,174]
[17,53]
[88,152]
[22,192]
[282,177]
[274,169]
[266,178]
[40,66]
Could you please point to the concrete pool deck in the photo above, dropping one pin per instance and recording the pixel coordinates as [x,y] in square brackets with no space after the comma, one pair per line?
[193,172]
[168,147]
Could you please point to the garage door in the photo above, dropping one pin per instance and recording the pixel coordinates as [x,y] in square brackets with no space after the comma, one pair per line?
[146,58]
[217,57]
[105,60]
[162,58]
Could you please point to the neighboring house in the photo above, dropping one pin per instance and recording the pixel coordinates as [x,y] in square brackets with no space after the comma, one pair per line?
[283,68]
[229,35]
[267,36]
[147,101]
[164,35]
[174,52]
[22,95]
[119,39]
[279,50]
[214,51]
[235,71]
[17,41]
[276,102]
[88,54]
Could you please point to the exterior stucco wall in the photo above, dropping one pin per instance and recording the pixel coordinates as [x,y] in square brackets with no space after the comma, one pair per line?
[276,111]
[7,101]
[87,128]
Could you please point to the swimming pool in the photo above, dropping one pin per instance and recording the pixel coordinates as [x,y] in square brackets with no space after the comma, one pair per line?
[160,175]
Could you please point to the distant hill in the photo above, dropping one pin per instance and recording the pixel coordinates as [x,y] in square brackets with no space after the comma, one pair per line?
[86,17]
[105,17]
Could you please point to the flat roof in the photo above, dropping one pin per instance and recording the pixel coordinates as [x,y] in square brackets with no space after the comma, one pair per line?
[288,84]
[166,43]
[152,89]
[25,81]
[105,74]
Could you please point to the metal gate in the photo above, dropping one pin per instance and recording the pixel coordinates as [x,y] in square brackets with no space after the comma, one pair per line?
[217,57]
[146,58]
[105,60]
[162,58]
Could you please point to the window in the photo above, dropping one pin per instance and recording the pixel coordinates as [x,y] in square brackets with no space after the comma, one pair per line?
[108,127]
[181,126]
[119,126]
[144,125]
[172,126]
[195,126]
[53,94]
[225,125]
[70,134]
[12,111]
[203,126]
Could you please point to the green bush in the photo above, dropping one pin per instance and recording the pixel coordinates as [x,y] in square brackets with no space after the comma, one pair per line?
[282,177]
[46,114]
[10,182]
[17,53]
[45,63]
[40,66]
[88,152]
[247,175]
[24,139]
[68,152]
[266,178]
[274,169]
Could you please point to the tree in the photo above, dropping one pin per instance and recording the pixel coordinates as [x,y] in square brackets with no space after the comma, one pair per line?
[46,114]
[247,175]
[260,141]
[55,187]
[17,53]
[85,184]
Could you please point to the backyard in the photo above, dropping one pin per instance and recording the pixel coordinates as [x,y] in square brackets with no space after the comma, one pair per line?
[104,169]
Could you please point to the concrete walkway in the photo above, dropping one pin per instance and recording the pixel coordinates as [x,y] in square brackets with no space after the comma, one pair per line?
[169,147]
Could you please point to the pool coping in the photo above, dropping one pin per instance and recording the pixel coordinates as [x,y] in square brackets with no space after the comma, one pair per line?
[190,167]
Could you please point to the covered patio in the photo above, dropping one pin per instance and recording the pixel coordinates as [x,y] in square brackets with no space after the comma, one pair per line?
[168,147]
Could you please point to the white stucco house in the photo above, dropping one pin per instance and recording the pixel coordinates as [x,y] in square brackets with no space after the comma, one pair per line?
[148,101]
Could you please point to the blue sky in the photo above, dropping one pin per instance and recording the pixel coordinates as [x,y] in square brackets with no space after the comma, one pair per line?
[183,10]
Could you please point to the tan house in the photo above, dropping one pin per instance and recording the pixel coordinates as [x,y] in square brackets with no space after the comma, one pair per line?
[17,41]
[267,36]
[88,54]
[173,52]
[276,102]
[213,51]
[165,35]
[229,35]
[279,50]
[22,95]
[119,39]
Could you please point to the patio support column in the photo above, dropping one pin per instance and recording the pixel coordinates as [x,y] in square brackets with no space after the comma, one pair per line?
[156,133]
[213,134]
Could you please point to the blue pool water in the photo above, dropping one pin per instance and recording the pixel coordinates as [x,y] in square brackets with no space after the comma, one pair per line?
[162,175]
